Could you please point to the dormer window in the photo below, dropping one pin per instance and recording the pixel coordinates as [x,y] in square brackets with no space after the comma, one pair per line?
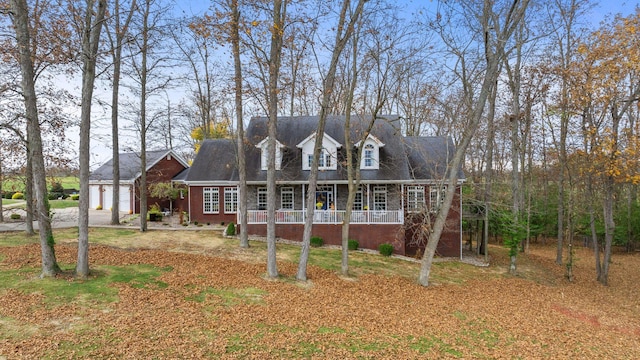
[328,153]
[324,161]
[370,159]
[264,153]
[368,156]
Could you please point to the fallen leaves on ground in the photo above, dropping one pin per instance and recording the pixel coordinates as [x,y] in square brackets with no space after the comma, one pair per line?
[381,317]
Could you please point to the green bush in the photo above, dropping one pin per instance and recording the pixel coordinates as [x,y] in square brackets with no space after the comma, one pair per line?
[154,213]
[75,197]
[56,191]
[316,241]
[54,196]
[231,229]
[15,216]
[353,244]
[8,194]
[385,249]
[17,196]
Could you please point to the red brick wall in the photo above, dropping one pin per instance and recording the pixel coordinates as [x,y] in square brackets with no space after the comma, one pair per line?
[450,241]
[196,211]
[368,236]
[163,171]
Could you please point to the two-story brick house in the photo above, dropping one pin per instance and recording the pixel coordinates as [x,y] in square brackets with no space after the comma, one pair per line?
[401,180]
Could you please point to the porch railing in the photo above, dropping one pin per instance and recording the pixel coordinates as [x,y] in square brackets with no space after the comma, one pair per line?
[328,217]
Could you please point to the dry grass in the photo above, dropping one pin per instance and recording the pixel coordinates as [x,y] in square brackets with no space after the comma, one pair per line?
[201,296]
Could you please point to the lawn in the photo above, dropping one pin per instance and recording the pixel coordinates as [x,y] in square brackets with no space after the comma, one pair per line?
[53,204]
[11,201]
[67,182]
[194,294]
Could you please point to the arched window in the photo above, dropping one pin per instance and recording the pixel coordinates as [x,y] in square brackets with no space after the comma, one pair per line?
[368,156]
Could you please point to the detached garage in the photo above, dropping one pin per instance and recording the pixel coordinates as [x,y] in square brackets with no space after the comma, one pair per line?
[162,166]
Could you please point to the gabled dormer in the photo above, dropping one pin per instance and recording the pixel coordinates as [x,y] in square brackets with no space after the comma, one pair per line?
[328,155]
[370,158]
[264,153]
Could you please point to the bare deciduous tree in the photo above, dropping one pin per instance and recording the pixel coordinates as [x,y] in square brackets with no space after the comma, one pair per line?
[20,18]
[497,27]
[93,21]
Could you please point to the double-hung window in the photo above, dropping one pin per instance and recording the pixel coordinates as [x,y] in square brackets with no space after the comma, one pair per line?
[262,198]
[211,200]
[380,198]
[415,198]
[230,200]
[436,197]
[358,204]
[368,156]
[286,198]
[324,161]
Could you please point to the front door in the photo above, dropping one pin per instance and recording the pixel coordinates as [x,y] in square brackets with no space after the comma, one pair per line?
[324,198]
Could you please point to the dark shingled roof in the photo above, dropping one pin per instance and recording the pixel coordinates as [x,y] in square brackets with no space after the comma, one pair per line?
[181,176]
[429,156]
[215,161]
[400,159]
[129,166]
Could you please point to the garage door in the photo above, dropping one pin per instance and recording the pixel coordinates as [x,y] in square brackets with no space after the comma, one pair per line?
[125,199]
[107,196]
[94,196]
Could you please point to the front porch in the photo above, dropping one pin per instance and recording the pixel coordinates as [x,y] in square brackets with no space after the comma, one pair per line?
[328,216]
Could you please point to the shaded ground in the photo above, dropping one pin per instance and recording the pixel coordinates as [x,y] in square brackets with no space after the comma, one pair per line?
[215,303]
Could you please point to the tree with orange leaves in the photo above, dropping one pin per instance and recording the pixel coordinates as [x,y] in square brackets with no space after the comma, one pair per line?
[606,79]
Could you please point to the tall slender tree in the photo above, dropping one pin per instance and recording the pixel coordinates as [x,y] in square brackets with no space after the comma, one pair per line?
[275,54]
[497,27]
[116,35]
[92,27]
[242,167]
[347,22]
[19,12]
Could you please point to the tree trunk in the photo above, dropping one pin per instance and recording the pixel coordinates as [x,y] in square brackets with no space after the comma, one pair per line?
[488,177]
[343,34]
[20,18]
[120,31]
[29,190]
[609,228]
[353,180]
[242,167]
[493,59]
[1,179]
[277,30]
[90,43]
[144,51]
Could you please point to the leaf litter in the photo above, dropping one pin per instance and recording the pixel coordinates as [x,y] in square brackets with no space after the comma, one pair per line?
[536,314]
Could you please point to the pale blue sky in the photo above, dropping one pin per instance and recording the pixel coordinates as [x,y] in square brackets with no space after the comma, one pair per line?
[101,153]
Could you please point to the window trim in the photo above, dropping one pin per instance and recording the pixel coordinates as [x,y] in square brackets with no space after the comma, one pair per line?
[415,198]
[214,203]
[380,189]
[358,204]
[368,155]
[233,202]
[287,191]
[324,160]
[437,193]
[262,191]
